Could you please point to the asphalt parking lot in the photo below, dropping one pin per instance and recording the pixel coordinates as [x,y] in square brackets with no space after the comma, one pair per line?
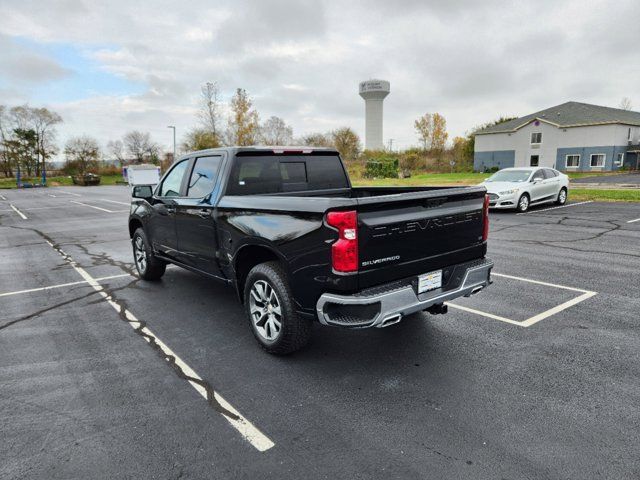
[106,376]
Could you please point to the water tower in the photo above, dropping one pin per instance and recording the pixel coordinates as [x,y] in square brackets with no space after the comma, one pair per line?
[373,92]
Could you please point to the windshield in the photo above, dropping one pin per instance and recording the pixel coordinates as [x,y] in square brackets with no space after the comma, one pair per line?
[509,176]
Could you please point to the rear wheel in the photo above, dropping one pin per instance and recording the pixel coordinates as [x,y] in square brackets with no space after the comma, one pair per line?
[148,265]
[269,305]
[523,203]
[562,196]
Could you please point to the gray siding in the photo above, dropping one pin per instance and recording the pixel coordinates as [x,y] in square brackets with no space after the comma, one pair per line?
[499,158]
[585,153]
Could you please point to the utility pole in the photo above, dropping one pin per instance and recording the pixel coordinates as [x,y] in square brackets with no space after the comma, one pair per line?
[174,140]
[391,144]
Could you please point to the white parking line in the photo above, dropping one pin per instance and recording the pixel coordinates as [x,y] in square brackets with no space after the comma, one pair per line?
[60,285]
[115,201]
[70,193]
[24,217]
[555,208]
[538,317]
[92,206]
[2,197]
[248,431]
[634,221]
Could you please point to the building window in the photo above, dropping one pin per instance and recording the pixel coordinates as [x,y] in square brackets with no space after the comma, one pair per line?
[597,159]
[619,159]
[536,138]
[534,161]
[573,161]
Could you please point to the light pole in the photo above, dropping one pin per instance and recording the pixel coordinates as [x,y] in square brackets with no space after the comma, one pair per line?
[174,140]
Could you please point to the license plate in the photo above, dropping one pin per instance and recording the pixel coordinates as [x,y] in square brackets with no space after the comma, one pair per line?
[429,281]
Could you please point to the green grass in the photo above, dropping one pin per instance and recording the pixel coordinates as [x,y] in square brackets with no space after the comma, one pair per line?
[602,195]
[59,181]
[463,178]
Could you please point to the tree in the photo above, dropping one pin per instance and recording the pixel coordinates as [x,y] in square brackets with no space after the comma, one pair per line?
[424,126]
[439,133]
[275,131]
[199,139]
[625,103]
[209,113]
[116,150]
[244,126]
[315,140]
[43,123]
[139,146]
[347,142]
[82,154]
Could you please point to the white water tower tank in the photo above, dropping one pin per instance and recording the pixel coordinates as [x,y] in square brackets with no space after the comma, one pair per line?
[374,93]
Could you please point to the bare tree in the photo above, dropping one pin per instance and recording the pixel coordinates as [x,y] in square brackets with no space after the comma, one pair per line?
[424,129]
[43,123]
[82,154]
[347,142]
[139,146]
[275,131]
[209,113]
[625,103]
[117,151]
[315,140]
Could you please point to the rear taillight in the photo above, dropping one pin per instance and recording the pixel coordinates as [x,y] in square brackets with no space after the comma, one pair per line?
[485,219]
[344,252]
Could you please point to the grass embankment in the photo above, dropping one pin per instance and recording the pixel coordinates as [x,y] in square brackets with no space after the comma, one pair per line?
[602,195]
[61,181]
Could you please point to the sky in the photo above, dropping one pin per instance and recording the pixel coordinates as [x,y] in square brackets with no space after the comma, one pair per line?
[111,67]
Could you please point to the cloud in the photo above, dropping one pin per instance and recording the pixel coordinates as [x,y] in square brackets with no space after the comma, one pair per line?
[19,64]
[302,60]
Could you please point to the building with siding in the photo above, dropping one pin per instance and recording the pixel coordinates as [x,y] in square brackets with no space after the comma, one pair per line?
[570,137]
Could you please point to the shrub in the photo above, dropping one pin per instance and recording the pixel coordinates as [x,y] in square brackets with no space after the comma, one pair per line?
[491,169]
[383,167]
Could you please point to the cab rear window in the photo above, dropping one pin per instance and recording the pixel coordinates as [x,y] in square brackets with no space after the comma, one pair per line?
[264,174]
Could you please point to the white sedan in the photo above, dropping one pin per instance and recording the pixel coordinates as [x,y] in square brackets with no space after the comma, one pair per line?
[520,188]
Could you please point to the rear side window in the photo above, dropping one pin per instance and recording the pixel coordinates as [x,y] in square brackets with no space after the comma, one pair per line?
[203,177]
[173,181]
[255,175]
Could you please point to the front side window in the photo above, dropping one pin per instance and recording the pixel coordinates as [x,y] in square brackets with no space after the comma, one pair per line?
[536,137]
[619,158]
[573,161]
[538,175]
[597,160]
[534,160]
[203,177]
[173,181]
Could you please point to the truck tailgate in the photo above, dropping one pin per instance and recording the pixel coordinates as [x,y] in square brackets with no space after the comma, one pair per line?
[414,233]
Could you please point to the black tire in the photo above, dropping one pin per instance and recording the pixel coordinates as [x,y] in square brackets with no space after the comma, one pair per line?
[562,199]
[148,265]
[523,203]
[293,332]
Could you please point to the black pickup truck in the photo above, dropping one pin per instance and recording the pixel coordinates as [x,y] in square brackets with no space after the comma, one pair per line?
[285,228]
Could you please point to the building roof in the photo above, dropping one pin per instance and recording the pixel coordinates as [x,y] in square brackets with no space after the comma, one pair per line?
[569,114]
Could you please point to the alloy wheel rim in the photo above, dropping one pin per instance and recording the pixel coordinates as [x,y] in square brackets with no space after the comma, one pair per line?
[563,196]
[524,203]
[266,313]
[140,254]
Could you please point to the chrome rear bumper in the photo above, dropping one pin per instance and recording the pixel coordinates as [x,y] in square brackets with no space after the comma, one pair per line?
[385,308]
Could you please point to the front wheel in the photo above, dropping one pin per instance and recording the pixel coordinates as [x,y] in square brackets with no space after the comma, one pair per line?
[270,308]
[523,203]
[149,267]
[562,196]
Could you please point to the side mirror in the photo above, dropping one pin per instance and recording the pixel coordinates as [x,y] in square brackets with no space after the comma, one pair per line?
[142,191]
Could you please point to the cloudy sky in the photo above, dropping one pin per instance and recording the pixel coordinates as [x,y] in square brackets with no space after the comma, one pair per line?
[109,67]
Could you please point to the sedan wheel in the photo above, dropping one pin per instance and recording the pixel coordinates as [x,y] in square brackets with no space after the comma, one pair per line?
[562,197]
[523,203]
[266,313]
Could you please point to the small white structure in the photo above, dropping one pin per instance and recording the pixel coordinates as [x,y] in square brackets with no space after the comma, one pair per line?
[373,92]
[143,174]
